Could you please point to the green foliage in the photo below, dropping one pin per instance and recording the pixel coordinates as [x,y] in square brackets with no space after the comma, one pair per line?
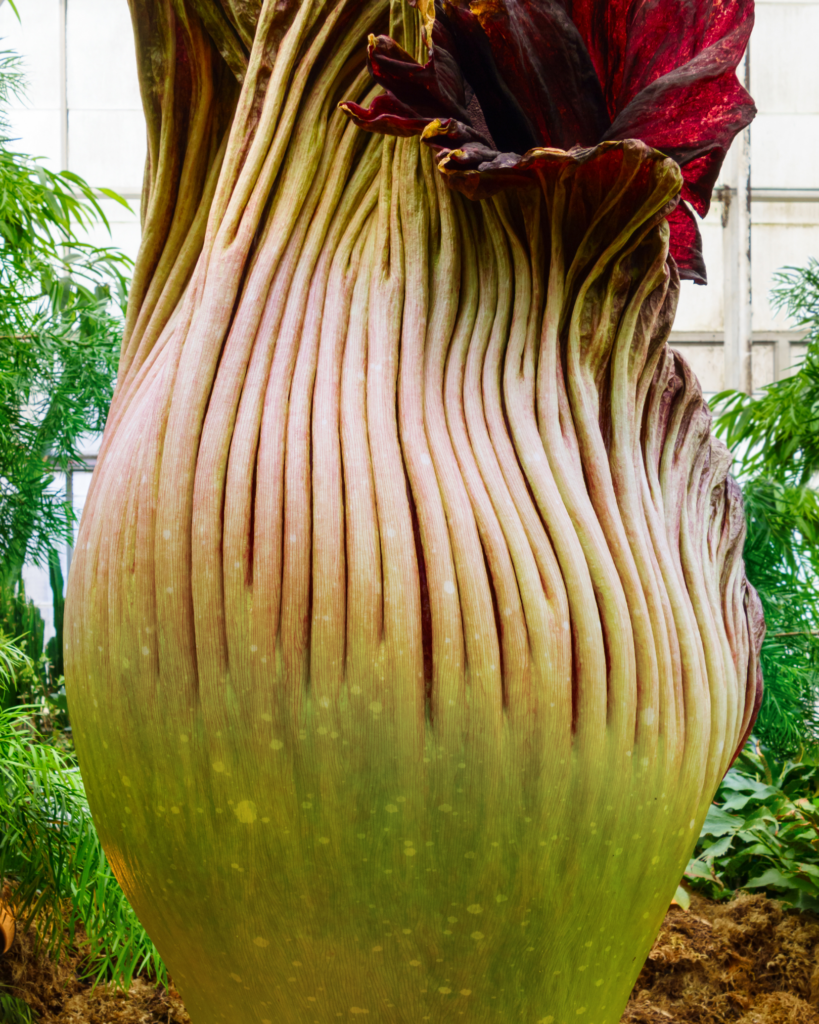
[775,440]
[762,832]
[14,1011]
[781,428]
[50,852]
[61,306]
[34,674]
[59,339]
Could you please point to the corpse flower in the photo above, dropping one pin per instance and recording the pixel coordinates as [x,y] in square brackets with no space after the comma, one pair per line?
[506,79]
[407,632]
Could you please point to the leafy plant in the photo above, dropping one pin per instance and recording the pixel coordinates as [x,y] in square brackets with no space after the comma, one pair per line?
[14,1011]
[36,669]
[775,441]
[762,832]
[50,853]
[59,339]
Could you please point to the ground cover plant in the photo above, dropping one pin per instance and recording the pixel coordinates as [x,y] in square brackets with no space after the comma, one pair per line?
[407,637]
[54,876]
[762,832]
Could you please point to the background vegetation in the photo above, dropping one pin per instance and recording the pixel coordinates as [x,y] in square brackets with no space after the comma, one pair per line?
[775,440]
[61,306]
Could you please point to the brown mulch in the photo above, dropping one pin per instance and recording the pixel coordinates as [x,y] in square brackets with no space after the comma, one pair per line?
[747,961]
[743,962]
[56,994]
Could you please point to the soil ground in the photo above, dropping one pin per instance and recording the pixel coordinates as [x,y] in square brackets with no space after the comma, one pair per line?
[743,962]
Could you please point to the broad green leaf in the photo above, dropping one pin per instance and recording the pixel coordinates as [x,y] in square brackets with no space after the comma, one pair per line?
[719,848]
[719,823]
[773,876]
[682,897]
[696,869]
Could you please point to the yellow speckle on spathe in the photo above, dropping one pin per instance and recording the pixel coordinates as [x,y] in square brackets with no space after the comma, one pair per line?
[598,983]
[183,738]
[355,690]
[444,990]
[324,840]
[691,823]
[581,1010]
[474,908]
[296,963]
[167,535]
[391,808]
[334,736]
[236,867]
[235,977]
[466,991]
[266,716]
[445,808]
[618,851]
[126,781]
[546,1020]
[260,942]
[452,920]
[357,1009]
[253,648]
[375,707]
[218,766]
[146,650]
[174,810]
[415,963]
[276,744]
[588,944]
[655,860]
[409,851]
[407,931]
[501,899]
[449,587]
[477,936]
[645,915]
[322,730]
[245,811]
[469,856]
[325,702]
[306,805]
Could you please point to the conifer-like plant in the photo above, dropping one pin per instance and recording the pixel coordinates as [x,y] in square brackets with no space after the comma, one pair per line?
[408,636]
